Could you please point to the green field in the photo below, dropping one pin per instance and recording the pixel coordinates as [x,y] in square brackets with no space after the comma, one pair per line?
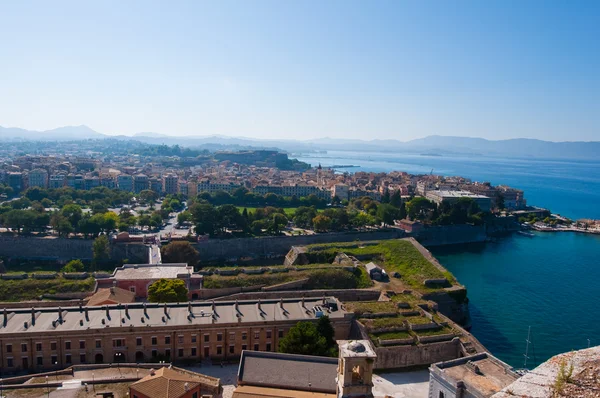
[334,278]
[289,211]
[394,255]
[31,289]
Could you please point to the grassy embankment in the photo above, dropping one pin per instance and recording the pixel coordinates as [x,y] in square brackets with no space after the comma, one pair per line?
[394,318]
[394,255]
[334,278]
[32,289]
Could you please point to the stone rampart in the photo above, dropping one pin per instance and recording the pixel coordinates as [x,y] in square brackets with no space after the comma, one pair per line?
[397,357]
[63,249]
[451,235]
[275,246]
[342,295]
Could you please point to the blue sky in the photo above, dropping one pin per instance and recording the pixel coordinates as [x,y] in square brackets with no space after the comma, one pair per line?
[303,69]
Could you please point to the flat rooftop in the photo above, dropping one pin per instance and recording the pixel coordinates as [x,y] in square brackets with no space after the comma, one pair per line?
[482,372]
[152,271]
[18,322]
[288,371]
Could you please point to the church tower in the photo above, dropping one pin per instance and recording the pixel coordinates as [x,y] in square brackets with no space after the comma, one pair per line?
[355,369]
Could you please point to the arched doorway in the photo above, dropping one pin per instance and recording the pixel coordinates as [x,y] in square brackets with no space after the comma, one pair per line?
[119,357]
[139,356]
[99,358]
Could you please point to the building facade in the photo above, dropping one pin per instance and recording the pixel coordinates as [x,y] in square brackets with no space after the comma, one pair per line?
[55,337]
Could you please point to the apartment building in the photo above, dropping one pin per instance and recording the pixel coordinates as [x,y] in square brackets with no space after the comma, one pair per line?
[170,182]
[140,183]
[125,182]
[451,197]
[38,178]
[55,337]
[57,181]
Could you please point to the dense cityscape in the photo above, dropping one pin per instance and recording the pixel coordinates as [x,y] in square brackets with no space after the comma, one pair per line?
[151,229]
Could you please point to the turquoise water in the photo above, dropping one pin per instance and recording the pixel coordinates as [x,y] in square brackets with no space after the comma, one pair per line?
[550,282]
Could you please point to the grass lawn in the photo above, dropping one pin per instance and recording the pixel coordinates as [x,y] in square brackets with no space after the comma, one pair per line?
[418,320]
[289,211]
[31,289]
[394,255]
[383,322]
[373,307]
[334,278]
[433,332]
[390,335]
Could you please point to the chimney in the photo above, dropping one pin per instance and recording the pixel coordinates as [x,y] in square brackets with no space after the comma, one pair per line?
[303,302]
[60,318]
[236,306]
[259,306]
[5,317]
[33,317]
[281,303]
[190,307]
[165,308]
[112,290]
[87,315]
[80,307]
[107,312]
[25,324]
[126,310]
[213,306]
[145,310]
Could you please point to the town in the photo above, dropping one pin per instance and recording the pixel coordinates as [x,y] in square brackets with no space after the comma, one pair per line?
[138,273]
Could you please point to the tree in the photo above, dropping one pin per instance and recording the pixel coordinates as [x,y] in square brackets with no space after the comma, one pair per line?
[396,198]
[73,213]
[321,223]
[74,266]
[303,216]
[101,250]
[500,205]
[204,218]
[180,252]
[61,224]
[385,198]
[325,329]
[418,208]
[148,196]
[167,291]
[387,213]
[278,222]
[304,339]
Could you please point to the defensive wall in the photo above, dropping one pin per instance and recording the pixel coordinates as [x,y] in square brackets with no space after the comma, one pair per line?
[63,249]
[278,246]
[452,235]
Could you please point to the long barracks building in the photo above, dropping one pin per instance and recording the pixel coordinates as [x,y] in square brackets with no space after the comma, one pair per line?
[55,337]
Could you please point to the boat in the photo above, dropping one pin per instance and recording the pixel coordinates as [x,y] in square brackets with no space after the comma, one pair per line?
[524,370]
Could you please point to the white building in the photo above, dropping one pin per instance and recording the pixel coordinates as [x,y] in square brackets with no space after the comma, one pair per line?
[451,197]
[38,178]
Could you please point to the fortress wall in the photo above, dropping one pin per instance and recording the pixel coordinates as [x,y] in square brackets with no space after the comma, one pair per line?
[452,234]
[279,246]
[416,355]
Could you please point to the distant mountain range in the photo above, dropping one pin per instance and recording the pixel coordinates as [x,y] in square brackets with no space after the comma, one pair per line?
[438,145]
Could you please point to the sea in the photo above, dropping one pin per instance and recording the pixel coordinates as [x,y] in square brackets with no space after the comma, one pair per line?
[548,284]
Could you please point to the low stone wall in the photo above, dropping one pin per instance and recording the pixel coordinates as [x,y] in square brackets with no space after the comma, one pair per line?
[391,342]
[436,338]
[44,276]
[397,357]
[294,285]
[342,295]
[423,326]
[207,294]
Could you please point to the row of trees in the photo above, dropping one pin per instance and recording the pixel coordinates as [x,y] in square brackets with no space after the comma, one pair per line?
[243,197]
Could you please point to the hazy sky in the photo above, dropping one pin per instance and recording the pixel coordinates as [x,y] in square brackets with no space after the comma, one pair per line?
[303,69]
